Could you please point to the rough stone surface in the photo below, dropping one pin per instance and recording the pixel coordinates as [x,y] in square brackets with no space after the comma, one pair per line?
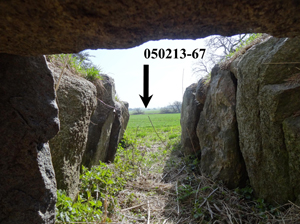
[117,130]
[29,118]
[201,90]
[190,113]
[218,133]
[291,129]
[76,99]
[125,117]
[45,27]
[264,101]
[101,123]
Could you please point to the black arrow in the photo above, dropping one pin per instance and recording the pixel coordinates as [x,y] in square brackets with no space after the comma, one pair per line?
[146,99]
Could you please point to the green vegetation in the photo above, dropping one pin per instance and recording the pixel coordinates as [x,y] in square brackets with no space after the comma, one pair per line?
[167,125]
[152,180]
[242,45]
[241,49]
[100,186]
[78,64]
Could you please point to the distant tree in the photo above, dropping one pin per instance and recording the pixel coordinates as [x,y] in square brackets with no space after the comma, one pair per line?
[175,107]
[165,110]
[218,47]
[138,111]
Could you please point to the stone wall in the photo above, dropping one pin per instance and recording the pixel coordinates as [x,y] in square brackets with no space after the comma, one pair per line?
[76,99]
[266,102]
[250,119]
[107,126]
[29,118]
[217,131]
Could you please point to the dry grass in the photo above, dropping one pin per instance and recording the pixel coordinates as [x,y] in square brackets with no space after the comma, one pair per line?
[160,197]
[293,80]
[180,194]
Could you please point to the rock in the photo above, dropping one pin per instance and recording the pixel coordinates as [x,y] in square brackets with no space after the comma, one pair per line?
[76,98]
[117,130]
[108,124]
[101,123]
[218,132]
[29,118]
[291,130]
[39,27]
[264,101]
[125,117]
[190,113]
[201,90]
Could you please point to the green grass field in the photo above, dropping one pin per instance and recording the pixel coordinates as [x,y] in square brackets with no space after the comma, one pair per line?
[166,125]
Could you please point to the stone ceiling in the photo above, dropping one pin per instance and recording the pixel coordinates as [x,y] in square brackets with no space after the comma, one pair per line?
[35,27]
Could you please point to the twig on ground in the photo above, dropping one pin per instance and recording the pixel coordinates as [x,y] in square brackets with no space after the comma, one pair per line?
[136,206]
[165,220]
[179,220]
[205,200]
[294,204]
[197,190]
[227,212]
[165,175]
[148,222]
[177,198]
[130,217]
[210,211]
[123,220]
[177,173]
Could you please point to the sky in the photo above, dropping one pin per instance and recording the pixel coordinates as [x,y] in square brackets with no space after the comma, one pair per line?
[168,78]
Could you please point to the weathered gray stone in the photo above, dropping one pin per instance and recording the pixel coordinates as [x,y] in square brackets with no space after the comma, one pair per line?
[101,123]
[190,113]
[201,90]
[125,118]
[291,129]
[39,27]
[264,101]
[76,99]
[29,118]
[118,128]
[218,133]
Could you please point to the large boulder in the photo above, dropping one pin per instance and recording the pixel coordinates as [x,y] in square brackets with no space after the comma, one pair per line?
[117,130]
[218,133]
[107,124]
[125,117]
[291,129]
[266,103]
[29,118]
[201,90]
[76,99]
[190,113]
[44,27]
